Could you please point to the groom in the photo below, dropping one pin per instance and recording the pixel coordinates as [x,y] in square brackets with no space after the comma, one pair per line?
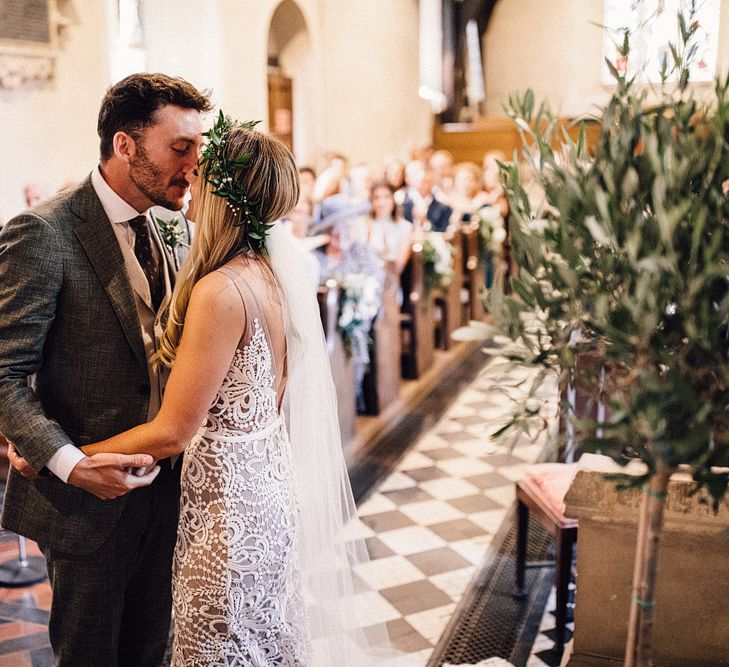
[84,280]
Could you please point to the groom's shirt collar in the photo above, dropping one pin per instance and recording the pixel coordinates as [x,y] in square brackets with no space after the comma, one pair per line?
[116,209]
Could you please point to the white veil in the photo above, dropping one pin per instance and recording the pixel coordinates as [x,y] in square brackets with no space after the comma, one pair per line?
[329,547]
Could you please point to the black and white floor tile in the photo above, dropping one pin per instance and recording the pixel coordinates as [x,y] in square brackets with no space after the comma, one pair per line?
[543,651]
[429,525]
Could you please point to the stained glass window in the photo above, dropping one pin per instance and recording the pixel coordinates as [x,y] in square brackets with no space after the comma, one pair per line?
[653,26]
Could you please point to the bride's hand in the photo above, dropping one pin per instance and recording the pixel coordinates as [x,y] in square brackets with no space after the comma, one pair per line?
[141,472]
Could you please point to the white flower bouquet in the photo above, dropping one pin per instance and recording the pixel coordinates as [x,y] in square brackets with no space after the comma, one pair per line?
[437,261]
[492,232]
[359,303]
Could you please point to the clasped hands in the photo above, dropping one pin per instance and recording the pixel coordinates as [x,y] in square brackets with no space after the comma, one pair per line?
[107,476]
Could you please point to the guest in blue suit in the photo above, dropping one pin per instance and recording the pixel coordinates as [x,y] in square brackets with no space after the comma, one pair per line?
[421,207]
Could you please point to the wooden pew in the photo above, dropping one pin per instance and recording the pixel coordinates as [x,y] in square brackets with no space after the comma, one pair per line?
[416,320]
[470,141]
[382,380]
[448,299]
[474,273]
[342,372]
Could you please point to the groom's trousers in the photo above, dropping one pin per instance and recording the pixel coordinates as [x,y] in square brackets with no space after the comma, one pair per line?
[112,608]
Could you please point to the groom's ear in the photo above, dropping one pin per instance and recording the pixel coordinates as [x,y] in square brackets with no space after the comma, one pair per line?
[125,147]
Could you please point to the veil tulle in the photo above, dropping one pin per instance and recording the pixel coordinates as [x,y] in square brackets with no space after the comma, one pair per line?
[329,547]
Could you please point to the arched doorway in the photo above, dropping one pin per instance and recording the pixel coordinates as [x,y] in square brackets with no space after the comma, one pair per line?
[290,81]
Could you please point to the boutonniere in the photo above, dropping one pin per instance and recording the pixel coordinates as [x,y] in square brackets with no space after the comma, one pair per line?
[171,233]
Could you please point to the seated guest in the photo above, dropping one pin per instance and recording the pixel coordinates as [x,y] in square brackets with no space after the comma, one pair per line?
[298,222]
[339,161]
[495,195]
[395,177]
[413,169]
[360,182]
[422,208]
[442,165]
[386,232]
[327,184]
[335,216]
[32,195]
[307,179]
[468,195]
[333,253]
[336,206]
[422,153]
[327,192]
[299,219]
[497,201]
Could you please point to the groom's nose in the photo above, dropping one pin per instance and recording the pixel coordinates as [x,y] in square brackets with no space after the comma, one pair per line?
[191,173]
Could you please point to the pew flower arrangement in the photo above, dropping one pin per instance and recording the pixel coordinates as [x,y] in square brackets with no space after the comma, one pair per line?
[437,261]
[491,232]
[358,308]
[633,254]
[361,277]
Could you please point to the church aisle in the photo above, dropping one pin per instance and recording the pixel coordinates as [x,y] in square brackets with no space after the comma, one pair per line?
[429,525]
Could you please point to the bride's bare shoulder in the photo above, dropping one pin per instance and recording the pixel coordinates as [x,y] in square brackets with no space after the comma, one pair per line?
[214,319]
[216,293]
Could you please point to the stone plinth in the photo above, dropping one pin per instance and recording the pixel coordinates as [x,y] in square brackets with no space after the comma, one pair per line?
[692,596]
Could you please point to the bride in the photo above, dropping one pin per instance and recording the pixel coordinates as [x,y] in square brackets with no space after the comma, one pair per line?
[263,562]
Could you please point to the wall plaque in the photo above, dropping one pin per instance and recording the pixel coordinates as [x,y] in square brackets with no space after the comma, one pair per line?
[25,21]
[28,41]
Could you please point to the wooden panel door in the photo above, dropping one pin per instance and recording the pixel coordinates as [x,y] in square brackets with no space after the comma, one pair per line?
[281,108]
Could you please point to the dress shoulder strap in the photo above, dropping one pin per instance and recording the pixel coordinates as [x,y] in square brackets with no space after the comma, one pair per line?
[252,301]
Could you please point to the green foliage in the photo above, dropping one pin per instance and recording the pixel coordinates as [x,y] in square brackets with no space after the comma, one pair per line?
[219,169]
[632,252]
[437,263]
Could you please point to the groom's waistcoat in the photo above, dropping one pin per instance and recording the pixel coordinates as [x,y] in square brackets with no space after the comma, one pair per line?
[73,319]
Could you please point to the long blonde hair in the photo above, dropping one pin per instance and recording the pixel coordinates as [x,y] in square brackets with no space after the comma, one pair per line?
[271,179]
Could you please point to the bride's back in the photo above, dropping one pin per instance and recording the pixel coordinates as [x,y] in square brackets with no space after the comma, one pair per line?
[265,315]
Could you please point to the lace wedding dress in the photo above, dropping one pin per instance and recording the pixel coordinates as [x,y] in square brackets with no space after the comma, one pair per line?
[237,591]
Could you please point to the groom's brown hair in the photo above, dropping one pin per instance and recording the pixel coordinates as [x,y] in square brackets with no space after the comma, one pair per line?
[129,105]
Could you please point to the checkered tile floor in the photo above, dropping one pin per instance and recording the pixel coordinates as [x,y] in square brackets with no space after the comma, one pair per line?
[429,525]
[543,652]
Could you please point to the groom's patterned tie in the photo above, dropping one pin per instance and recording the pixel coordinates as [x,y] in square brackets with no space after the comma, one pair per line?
[149,262]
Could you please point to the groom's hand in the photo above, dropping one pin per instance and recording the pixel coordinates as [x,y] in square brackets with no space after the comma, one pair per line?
[107,477]
[20,464]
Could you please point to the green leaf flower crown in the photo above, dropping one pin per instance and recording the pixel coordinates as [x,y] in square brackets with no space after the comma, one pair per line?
[219,169]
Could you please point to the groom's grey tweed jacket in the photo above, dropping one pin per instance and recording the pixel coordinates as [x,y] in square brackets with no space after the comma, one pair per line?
[72,360]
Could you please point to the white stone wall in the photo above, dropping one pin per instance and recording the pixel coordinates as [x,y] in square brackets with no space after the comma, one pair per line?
[356,81]
[554,48]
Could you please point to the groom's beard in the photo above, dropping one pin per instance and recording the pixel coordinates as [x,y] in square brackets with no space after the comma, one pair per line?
[152,183]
